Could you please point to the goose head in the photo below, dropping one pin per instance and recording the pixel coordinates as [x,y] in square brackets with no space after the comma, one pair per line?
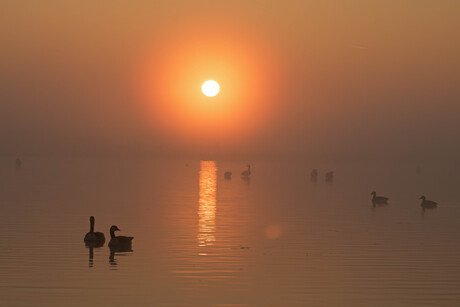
[91,219]
[423,198]
[112,231]
[373,193]
[114,228]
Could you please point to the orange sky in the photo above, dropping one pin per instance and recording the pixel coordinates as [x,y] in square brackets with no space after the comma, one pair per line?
[344,78]
[185,56]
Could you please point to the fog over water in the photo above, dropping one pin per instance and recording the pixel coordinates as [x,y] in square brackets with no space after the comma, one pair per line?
[102,114]
[200,240]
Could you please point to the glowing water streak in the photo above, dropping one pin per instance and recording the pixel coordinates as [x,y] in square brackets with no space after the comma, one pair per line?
[207,203]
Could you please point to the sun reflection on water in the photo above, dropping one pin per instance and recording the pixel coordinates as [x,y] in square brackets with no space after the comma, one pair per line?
[207,203]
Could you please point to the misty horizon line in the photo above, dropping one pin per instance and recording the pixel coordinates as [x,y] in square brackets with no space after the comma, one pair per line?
[272,156]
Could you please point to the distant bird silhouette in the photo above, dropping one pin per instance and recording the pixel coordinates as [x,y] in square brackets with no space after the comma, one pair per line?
[18,163]
[119,242]
[330,177]
[247,172]
[94,238]
[228,175]
[428,203]
[314,175]
[379,200]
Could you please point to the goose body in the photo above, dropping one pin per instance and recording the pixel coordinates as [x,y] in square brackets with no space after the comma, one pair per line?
[93,237]
[119,242]
[428,203]
[379,200]
[247,172]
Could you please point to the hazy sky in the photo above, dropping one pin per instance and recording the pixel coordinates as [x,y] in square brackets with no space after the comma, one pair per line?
[338,78]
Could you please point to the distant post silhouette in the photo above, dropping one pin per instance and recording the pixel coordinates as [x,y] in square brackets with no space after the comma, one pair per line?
[18,164]
[330,177]
[314,175]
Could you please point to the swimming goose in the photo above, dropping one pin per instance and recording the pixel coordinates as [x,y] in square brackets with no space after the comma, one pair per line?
[228,175]
[428,203]
[379,200]
[92,237]
[118,241]
[247,172]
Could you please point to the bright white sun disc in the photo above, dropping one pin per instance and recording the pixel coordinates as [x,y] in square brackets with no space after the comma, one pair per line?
[210,88]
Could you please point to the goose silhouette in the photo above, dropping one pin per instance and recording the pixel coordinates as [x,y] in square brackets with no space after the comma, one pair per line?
[228,175]
[428,203]
[94,238]
[379,200]
[119,243]
[247,172]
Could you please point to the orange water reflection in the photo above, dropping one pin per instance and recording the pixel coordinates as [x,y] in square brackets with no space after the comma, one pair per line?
[207,203]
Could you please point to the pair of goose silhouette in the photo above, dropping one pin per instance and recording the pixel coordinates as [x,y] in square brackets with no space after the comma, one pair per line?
[98,239]
[382,200]
[245,174]
[329,176]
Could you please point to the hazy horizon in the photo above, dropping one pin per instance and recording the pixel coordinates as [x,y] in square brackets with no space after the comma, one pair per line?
[334,80]
[225,153]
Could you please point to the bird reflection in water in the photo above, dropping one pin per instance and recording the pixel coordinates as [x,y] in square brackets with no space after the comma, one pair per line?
[112,261]
[91,246]
[207,203]
[114,251]
[91,256]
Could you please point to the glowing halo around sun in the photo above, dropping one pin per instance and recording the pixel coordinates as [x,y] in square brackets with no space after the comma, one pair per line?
[210,88]
[216,99]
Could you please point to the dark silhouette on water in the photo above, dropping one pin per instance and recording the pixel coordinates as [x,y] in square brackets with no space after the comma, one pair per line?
[94,239]
[314,175]
[428,204]
[18,164]
[330,177]
[247,172]
[119,243]
[379,200]
[228,175]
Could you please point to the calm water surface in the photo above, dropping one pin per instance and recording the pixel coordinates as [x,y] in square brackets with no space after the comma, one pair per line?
[200,240]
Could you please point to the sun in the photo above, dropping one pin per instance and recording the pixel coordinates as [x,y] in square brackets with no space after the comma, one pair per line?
[210,88]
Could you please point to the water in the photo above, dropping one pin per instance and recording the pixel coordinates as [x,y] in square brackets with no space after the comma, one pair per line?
[200,240]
